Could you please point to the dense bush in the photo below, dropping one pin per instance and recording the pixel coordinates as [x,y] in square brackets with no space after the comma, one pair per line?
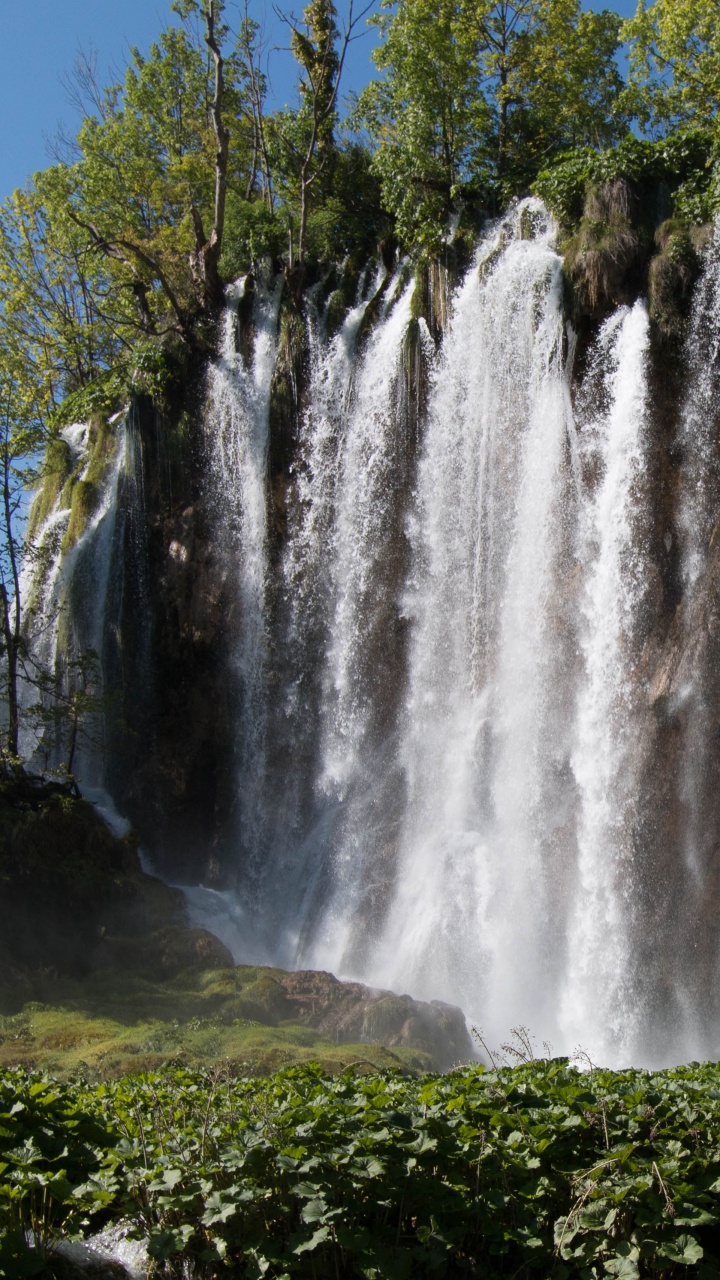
[536,1170]
[683,162]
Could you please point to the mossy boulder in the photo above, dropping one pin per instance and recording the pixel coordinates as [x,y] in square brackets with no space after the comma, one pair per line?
[672,276]
[335,312]
[83,505]
[605,259]
[56,470]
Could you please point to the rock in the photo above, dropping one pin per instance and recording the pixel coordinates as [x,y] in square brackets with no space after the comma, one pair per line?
[349,1012]
[165,952]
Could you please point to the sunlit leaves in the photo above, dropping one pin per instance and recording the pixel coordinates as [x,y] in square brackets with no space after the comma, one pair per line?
[536,1169]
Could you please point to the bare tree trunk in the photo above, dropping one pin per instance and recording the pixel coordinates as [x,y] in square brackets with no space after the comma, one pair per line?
[10,612]
[213,248]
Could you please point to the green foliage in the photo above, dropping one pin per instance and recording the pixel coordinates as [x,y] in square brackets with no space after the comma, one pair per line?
[475,98]
[533,1170]
[683,160]
[674,64]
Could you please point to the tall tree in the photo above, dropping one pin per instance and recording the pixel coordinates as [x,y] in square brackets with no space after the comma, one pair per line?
[480,92]
[149,186]
[674,63]
[22,436]
[428,115]
[306,136]
[552,73]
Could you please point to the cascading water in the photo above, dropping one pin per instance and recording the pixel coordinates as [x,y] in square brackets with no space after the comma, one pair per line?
[698,440]
[448,695]
[488,539]
[338,558]
[237,424]
[64,592]
[599,994]
[446,832]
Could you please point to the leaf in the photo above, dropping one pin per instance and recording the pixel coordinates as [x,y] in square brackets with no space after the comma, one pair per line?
[683,1249]
[317,1238]
[315,1210]
[623,1268]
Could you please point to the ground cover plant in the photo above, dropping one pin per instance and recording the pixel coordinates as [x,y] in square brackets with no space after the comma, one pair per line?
[539,1169]
[64,1039]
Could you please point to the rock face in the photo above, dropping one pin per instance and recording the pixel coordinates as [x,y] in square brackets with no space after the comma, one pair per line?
[351,1013]
[171,615]
[75,899]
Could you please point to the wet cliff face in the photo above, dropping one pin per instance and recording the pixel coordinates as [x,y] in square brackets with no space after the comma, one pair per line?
[420,652]
[171,724]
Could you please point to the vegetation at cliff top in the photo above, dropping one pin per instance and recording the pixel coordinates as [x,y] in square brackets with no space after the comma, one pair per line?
[535,1170]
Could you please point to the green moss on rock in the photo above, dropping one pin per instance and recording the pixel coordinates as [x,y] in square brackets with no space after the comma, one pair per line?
[672,275]
[604,259]
[83,505]
[56,472]
[335,312]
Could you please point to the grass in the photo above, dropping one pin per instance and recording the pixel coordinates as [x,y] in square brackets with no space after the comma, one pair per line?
[114,1022]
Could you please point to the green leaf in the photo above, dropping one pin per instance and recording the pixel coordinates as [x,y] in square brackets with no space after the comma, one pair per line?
[317,1238]
[683,1249]
[623,1268]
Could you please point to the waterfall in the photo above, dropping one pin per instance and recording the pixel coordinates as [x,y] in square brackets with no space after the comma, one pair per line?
[599,1000]
[237,427]
[490,542]
[448,651]
[692,691]
[65,594]
[336,575]
[440,762]
[697,516]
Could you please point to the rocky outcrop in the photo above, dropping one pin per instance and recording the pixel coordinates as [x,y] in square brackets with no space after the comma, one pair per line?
[75,899]
[350,1013]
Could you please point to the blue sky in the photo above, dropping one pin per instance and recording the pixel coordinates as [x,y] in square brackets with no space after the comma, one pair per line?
[40,42]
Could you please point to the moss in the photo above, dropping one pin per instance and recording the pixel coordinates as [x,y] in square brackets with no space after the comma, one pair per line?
[672,275]
[604,260]
[419,299]
[70,1036]
[373,308]
[335,312]
[56,472]
[529,224]
[62,486]
[84,504]
[102,443]
[291,337]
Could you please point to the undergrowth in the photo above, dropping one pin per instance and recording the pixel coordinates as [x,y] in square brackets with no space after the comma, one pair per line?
[535,1170]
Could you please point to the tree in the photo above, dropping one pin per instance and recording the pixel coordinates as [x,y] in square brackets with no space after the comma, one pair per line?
[22,436]
[550,70]
[149,183]
[428,116]
[476,96]
[254,83]
[674,64]
[305,137]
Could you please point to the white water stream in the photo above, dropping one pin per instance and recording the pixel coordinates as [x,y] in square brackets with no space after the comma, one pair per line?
[237,424]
